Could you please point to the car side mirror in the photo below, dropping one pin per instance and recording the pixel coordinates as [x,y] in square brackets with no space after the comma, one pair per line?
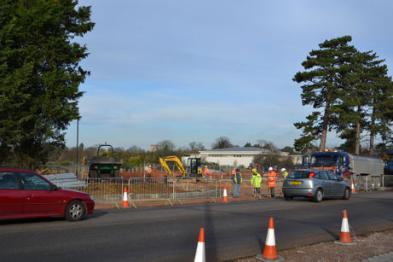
[340,179]
[53,187]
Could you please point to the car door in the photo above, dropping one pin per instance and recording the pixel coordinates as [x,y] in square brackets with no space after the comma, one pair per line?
[325,182]
[43,200]
[339,186]
[11,196]
[335,185]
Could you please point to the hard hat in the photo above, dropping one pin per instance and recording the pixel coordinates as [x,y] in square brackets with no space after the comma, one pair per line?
[270,168]
[283,169]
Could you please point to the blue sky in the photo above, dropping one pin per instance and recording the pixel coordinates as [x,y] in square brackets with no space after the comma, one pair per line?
[196,70]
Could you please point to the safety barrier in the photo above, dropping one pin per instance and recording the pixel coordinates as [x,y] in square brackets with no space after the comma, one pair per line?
[66,180]
[171,189]
[368,183]
[110,190]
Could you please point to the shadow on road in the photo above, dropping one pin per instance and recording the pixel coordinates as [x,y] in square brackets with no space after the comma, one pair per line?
[29,220]
[210,233]
[96,214]
[333,234]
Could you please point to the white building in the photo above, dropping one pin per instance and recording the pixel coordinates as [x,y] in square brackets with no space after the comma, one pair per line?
[240,156]
[234,156]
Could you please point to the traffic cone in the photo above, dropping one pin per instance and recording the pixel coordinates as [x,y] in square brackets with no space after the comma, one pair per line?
[200,255]
[225,195]
[270,252]
[345,235]
[125,198]
[353,188]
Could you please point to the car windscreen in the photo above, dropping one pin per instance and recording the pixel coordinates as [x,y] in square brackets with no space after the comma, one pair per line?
[299,174]
[325,160]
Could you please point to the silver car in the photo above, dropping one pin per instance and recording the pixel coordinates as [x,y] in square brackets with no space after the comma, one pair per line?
[315,184]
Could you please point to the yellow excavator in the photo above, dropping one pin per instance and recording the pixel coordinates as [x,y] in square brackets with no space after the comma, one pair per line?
[195,163]
[164,163]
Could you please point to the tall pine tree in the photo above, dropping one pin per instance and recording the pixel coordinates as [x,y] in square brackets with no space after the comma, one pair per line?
[321,82]
[366,100]
[39,75]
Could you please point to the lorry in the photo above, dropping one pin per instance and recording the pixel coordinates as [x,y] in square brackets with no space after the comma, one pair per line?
[388,171]
[388,162]
[365,171]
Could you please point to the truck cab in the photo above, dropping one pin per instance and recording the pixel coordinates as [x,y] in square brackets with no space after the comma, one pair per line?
[339,162]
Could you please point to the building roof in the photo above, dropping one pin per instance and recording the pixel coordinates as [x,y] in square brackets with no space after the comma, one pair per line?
[237,149]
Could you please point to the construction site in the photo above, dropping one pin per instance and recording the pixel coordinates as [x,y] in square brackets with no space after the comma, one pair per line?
[165,131]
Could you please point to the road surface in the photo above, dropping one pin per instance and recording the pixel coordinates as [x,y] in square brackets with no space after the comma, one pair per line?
[170,233]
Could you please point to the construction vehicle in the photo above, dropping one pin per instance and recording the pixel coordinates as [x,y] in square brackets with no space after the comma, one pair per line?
[172,159]
[388,170]
[102,166]
[345,164]
[388,157]
[364,169]
[193,165]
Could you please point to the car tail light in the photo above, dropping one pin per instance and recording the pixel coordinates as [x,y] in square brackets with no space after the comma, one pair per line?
[311,175]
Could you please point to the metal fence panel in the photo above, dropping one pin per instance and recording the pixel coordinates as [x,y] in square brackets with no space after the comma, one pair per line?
[103,190]
[110,190]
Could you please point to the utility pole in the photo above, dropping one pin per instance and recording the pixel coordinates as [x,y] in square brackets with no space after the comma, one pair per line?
[77,149]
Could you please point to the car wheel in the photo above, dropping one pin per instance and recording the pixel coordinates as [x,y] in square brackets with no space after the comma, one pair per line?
[318,195]
[75,210]
[347,194]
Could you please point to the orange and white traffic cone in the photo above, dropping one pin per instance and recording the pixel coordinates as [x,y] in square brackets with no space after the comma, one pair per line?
[353,188]
[270,252]
[225,195]
[124,203]
[345,235]
[200,255]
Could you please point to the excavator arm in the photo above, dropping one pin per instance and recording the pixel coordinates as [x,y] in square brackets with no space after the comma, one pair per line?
[164,163]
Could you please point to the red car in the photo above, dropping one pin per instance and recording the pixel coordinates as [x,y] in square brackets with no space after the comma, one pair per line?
[25,194]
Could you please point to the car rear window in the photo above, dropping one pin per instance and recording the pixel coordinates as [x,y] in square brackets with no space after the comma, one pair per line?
[322,175]
[299,174]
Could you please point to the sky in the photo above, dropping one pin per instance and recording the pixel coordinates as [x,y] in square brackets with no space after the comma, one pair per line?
[195,70]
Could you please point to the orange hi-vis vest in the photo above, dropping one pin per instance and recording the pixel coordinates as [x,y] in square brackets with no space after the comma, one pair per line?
[271,179]
[205,171]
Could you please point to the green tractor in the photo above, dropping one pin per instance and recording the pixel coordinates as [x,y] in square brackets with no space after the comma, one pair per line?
[104,166]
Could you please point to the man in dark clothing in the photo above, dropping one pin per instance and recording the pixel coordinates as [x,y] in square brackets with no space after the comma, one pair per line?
[237,180]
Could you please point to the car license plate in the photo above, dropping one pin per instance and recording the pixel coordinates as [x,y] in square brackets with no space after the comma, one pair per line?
[295,182]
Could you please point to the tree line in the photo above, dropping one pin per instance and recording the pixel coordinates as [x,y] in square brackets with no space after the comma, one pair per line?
[135,156]
[350,93]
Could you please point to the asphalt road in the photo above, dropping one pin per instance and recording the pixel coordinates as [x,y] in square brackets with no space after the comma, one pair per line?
[170,234]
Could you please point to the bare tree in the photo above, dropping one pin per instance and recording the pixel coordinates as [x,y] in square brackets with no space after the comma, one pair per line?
[196,146]
[222,142]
